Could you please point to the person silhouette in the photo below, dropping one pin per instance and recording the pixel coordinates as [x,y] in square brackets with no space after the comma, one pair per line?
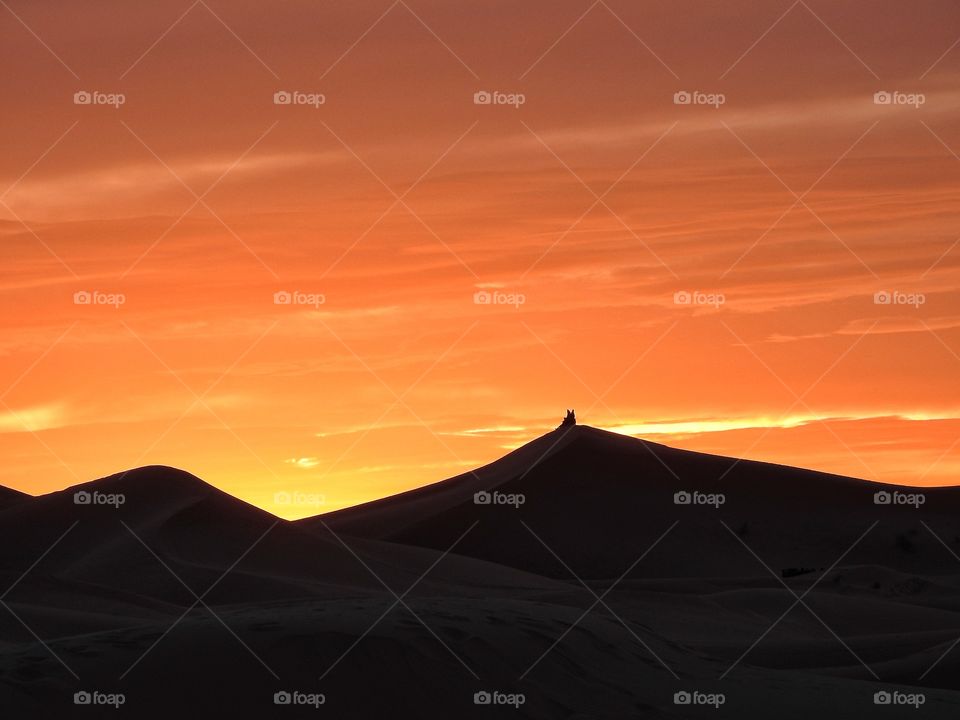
[569,419]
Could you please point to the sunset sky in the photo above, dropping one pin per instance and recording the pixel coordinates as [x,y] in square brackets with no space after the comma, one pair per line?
[781,211]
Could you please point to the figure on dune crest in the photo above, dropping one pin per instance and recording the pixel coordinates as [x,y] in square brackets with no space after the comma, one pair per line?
[570,419]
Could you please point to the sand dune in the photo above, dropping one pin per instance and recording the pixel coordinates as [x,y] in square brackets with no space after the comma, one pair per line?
[598,500]
[10,497]
[688,593]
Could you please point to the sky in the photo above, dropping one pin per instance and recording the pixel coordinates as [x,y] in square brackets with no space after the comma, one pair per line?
[731,228]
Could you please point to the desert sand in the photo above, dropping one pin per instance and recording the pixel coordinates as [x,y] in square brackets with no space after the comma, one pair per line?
[579,581]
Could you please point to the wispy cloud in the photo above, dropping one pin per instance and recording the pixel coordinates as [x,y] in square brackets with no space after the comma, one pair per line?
[33,419]
[303,462]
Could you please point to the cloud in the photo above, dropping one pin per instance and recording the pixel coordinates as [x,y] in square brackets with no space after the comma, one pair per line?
[33,419]
[93,193]
[881,326]
[303,462]
[688,427]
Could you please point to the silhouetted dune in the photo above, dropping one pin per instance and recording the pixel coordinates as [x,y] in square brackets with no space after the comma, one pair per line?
[393,515]
[367,605]
[599,500]
[9,496]
[123,532]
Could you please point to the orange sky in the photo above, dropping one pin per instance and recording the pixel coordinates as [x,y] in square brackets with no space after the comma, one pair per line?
[596,201]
